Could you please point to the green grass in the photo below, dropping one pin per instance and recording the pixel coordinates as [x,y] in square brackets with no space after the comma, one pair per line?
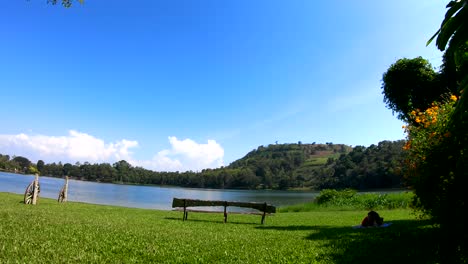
[82,233]
[319,161]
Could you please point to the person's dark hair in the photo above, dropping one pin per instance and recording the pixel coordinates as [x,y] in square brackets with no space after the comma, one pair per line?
[376,217]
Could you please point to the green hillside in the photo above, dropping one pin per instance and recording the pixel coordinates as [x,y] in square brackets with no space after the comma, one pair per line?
[289,165]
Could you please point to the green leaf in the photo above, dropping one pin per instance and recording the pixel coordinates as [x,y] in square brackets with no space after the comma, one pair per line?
[453,19]
[432,38]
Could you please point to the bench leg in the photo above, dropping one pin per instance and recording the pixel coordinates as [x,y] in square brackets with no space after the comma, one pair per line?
[184,217]
[264,212]
[225,214]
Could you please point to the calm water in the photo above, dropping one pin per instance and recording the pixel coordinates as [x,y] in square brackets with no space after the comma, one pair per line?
[152,197]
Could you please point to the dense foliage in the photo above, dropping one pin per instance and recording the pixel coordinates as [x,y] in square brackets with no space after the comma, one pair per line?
[412,84]
[17,164]
[432,162]
[283,166]
[441,168]
[290,165]
[377,166]
[437,146]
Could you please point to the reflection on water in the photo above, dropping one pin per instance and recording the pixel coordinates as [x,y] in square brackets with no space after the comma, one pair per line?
[153,197]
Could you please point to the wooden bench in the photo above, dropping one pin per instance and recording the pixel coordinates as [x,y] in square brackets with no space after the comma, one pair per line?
[184,203]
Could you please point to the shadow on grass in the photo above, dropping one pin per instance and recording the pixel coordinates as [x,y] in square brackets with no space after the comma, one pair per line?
[211,221]
[405,241]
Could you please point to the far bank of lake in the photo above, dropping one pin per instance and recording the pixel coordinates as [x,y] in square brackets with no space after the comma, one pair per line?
[151,197]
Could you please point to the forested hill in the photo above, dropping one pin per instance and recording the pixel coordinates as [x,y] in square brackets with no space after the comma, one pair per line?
[289,165]
[320,166]
[295,154]
[280,166]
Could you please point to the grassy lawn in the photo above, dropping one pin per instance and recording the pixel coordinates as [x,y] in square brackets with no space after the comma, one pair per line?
[75,232]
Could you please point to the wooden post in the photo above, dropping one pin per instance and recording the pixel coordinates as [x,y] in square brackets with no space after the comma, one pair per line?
[63,192]
[35,189]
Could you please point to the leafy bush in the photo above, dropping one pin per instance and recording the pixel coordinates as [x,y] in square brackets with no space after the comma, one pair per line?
[437,165]
[375,201]
[331,199]
[430,159]
[328,195]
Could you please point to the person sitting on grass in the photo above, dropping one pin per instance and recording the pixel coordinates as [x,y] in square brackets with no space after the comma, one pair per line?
[372,219]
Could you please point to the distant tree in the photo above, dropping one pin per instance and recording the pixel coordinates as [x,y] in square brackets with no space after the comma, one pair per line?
[32,170]
[22,162]
[40,165]
[105,172]
[5,157]
[123,169]
[67,168]
[4,162]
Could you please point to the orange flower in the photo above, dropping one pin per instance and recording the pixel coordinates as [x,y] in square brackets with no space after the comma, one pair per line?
[453,98]
[407,145]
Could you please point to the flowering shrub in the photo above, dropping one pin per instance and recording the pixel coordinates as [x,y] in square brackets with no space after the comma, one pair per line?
[437,164]
[427,130]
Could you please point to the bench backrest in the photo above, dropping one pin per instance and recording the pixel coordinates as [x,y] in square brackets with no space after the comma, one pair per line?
[264,207]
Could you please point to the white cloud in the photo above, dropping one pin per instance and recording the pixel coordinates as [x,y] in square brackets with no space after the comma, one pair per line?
[186,155]
[77,146]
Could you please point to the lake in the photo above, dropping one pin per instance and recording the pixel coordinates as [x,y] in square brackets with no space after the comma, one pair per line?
[150,197]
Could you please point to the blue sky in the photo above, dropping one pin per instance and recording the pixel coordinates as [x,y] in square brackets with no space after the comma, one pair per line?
[187,85]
